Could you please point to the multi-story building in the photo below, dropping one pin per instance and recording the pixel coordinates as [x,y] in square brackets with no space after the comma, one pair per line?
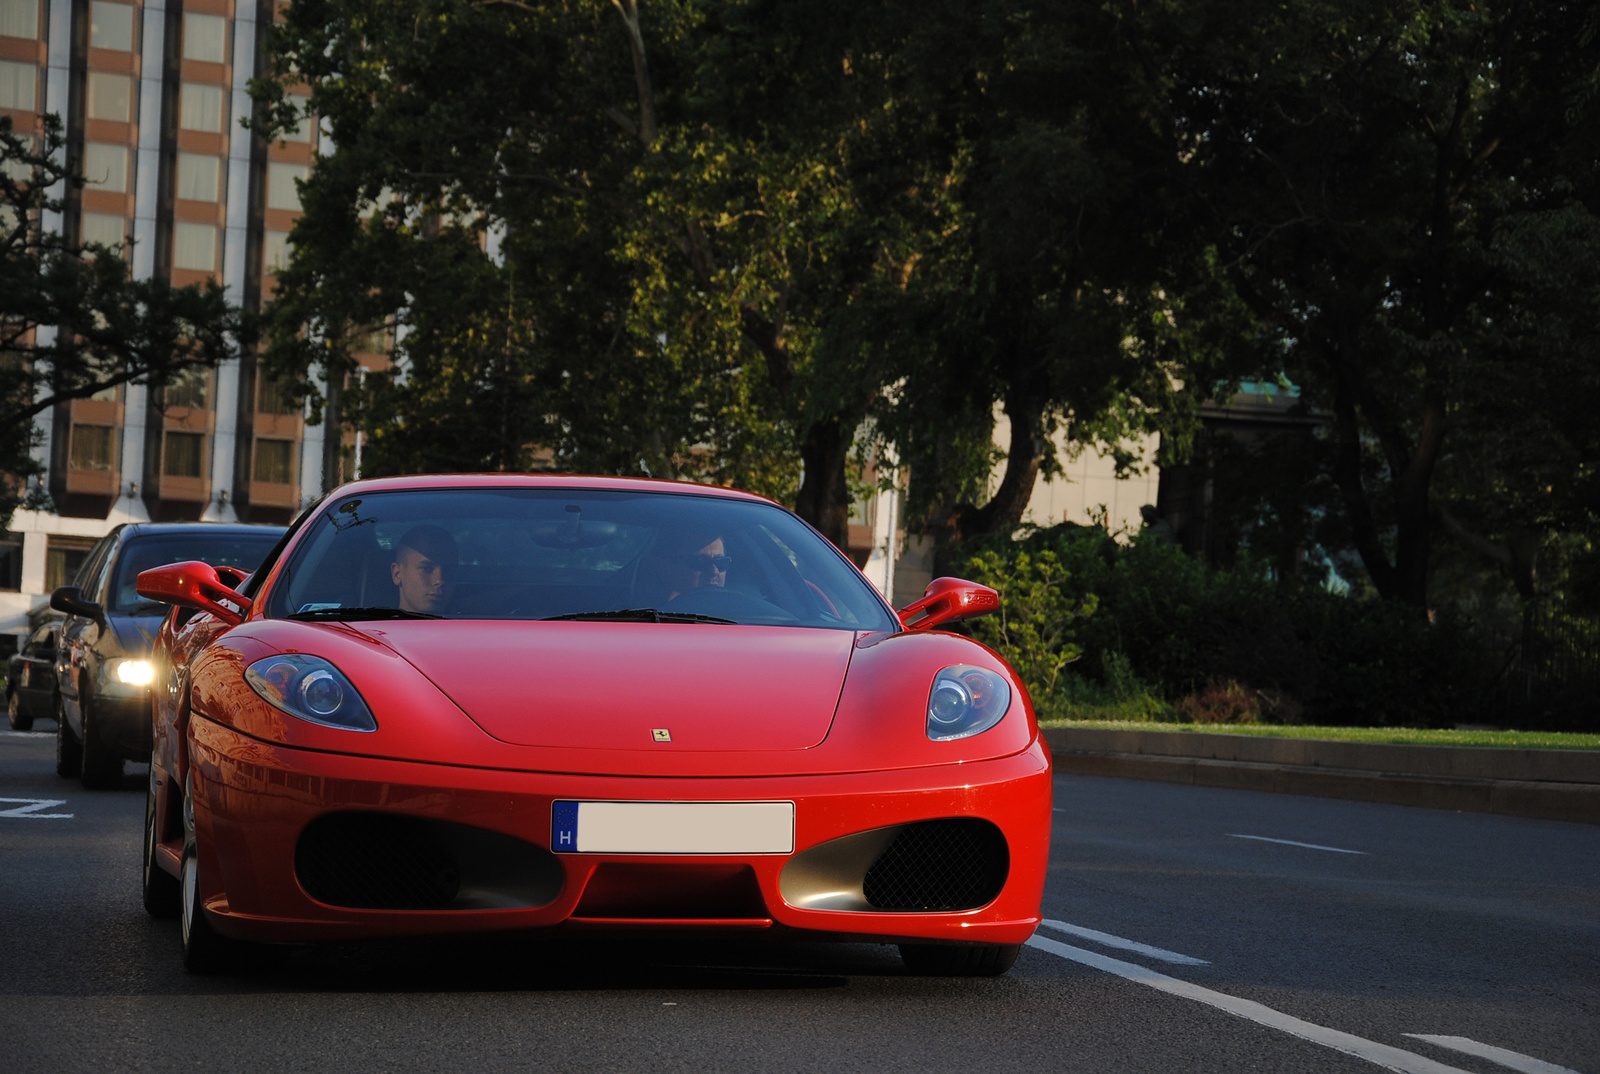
[151,93]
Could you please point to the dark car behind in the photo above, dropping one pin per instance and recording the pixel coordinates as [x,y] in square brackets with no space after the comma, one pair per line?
[31,677]
[103,670]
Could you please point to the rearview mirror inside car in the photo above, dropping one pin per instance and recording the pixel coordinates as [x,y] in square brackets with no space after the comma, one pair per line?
[70,599]
[193,585]
[948,600]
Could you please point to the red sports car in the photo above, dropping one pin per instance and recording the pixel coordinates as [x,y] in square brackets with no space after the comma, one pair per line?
[489,702]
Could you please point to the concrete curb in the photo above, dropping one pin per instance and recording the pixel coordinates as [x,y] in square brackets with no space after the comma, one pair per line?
[1546,784]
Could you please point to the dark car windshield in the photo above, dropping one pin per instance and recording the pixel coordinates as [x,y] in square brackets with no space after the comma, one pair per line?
[546,553]
[224,548]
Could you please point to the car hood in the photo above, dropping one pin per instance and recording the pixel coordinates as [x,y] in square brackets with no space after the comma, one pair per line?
[623,686]
[135,634]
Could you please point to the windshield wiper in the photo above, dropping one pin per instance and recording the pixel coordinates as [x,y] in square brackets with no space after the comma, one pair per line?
[343,615]
[636,615]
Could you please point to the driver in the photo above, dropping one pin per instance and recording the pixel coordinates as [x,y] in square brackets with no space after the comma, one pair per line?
[706,566]
[424,569]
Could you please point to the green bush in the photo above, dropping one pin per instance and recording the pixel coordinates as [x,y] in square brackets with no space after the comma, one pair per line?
[1164,636]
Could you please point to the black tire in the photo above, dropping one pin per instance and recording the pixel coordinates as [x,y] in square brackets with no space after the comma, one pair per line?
[959,960]
[19,722]
[160,888]
[205,950]
[101,767]
[69,754]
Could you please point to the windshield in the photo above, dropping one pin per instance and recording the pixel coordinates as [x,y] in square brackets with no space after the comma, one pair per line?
[570,554]
[225,548]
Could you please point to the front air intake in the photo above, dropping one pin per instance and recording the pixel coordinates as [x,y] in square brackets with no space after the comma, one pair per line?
[387,861]
[955,864]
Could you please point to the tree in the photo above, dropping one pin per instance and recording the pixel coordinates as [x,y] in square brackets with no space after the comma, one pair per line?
[1390,186]
[72,321]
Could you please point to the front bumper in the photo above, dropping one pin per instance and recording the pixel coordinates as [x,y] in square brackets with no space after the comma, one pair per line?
[255,799]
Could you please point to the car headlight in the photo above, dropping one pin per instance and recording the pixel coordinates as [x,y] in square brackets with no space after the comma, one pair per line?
[965,701]
[132,672]
[311,689]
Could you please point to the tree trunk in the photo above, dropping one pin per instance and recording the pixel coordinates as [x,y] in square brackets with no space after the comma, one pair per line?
[824,497]
[1024,456]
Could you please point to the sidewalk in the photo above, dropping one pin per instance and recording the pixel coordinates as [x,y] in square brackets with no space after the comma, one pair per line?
[1547,784]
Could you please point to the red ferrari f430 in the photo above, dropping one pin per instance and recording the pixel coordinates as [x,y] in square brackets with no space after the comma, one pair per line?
[469,703]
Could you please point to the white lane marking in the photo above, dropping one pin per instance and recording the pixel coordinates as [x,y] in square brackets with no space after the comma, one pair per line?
[1506,1058]
[1295,843]
[1105,939]
[1383,1055]
[27,734]
[31,808]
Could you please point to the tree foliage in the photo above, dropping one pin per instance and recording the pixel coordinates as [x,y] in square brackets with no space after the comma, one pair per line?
[72,321]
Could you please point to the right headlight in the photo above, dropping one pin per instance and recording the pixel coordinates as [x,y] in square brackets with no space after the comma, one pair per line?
[311,689]
[965,701]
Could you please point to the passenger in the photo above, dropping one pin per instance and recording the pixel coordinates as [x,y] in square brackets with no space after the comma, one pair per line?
[424,569]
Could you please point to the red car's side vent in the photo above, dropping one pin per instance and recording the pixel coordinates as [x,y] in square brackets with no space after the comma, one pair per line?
[956,864]
[388,861]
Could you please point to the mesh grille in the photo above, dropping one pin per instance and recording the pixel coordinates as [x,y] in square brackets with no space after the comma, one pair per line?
[375,861]
[956,864]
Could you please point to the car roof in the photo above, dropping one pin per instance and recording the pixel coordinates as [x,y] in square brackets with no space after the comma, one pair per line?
[145,529]
[557,481]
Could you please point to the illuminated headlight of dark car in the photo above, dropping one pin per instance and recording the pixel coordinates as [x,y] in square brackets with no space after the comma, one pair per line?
[311,689]
[126,676]
[966,701]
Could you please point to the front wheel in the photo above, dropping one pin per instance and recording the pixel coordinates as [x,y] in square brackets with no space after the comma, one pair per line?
[69,754]
[102,768]
[19,722]
[959,959]
[161,889]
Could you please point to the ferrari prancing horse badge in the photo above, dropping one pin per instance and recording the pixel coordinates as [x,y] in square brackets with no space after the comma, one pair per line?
[661,734]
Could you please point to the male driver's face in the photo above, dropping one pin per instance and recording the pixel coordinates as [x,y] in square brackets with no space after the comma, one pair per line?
[424,584]
[709,575]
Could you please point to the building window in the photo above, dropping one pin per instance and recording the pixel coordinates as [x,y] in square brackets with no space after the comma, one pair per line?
[110,96]
[106,166]
[63,557]
[275,461]
[275,251]
[108,231]
[205,38]
[91,447]
[10,561]
[199,177]
[111,26]
[194,246]
[281,191]
[301,132]
[17,84]
[277,397]
[19,18]
[201,107]
[189,388]
[185,455]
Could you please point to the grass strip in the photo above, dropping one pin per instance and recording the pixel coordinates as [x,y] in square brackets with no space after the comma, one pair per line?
[1409,736]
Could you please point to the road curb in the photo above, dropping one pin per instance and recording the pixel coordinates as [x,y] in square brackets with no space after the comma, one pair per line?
[1519,783]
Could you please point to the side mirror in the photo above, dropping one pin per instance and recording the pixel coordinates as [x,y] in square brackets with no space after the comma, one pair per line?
[948,600]
[232,577]
[70,599]
[193,585]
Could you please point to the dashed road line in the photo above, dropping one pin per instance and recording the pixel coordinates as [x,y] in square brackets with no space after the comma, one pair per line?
[1105,939]
[1384,1055]
[1527,1064]
[1295,843]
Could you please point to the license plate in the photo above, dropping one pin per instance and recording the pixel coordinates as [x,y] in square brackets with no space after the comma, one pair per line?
[672,827]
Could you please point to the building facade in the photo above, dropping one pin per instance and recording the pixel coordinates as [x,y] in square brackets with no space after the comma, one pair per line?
[151,93]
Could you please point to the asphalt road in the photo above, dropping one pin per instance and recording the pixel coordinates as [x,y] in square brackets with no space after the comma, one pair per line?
[1268,956]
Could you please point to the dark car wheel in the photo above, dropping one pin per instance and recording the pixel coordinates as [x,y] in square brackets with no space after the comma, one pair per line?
[69,754]
[959,960]
[19,722]
[161,889]
[102,769]
[205,950]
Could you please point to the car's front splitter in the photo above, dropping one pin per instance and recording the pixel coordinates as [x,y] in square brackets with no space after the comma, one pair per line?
[254,800]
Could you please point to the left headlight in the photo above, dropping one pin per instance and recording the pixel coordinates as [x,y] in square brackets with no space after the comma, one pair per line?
[965,701]
[132,672]
[311,689]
